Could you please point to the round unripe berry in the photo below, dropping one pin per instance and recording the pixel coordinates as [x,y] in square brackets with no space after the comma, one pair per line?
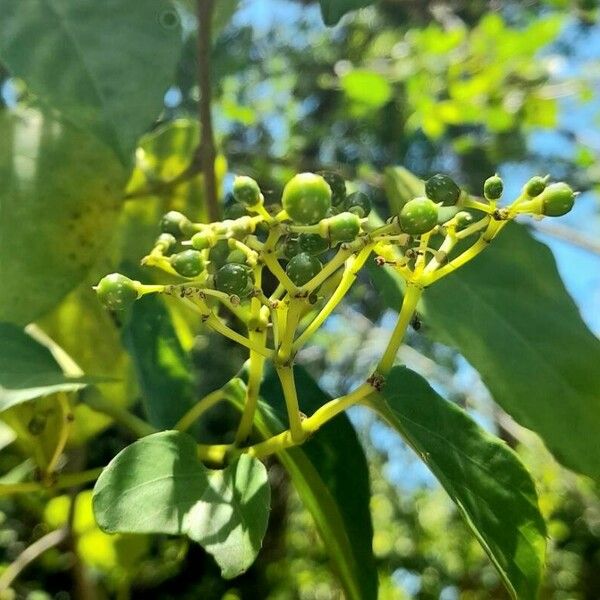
[236,256]
[218,254]
[462,219]
[37,423]
[337,184]
[246,191]
[166,242]
[341,228]
[302,268]
[442,190]
[535,186]
[117,292]
[418,216]
[312,243]
[306,198]
[291,247]
[234,279]
[557,199]
[188,263]
[234,210]
[493,187]
[359,204]
[203,239]
[175,223]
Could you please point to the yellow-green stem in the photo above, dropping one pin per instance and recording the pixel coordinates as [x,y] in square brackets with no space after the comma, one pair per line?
[206,403]
[137,426]
[493,228]
[348,278]
[66,421]
[288,385]
[255,373]
[328,270]
[409,305]
[255,369]
[309,426]
[64,481]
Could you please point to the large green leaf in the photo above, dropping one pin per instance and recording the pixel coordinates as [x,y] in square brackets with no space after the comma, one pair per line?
[334,10]
[105,65]
[485,478]
[163,367]
[158,485]
[331,476]
[509,314]
[28,369]
[59,201]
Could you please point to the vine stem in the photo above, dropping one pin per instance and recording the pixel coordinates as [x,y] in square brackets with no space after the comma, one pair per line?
[31,553]
[255,369]
[64,481]
[409,305]
[348,278]
[492,230]
[285,372]
[206,403]
[207,141]
[66,421]
[310,425]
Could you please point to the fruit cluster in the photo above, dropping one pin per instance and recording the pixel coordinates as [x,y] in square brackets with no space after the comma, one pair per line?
[318,216]
[314,247]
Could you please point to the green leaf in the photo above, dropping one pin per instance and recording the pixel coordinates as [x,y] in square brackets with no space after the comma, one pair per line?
[59,201]
[334,10]
[105,65]
[331,476]
[28,369]
[158,485]
[510,316]
[163,367]
[508,313]
[365,87]
[490,486]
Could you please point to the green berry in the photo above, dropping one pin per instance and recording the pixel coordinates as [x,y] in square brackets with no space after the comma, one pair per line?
[176,224]
[236,256]
[462,219]
[535,186]
[493,187]
[117,292]
[557,199]
[246,191]
[312,243]
[37,423]
[233,209]
[166,242]
[234,279]
[306,198]
[291,247]
[188,263]
[359,204]
[302,268]
[341,228]
[218,254]
[418,216]
[203,239]
[338,186]
[441,189]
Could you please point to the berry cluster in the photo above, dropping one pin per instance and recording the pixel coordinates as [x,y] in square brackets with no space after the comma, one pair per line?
[314,248]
